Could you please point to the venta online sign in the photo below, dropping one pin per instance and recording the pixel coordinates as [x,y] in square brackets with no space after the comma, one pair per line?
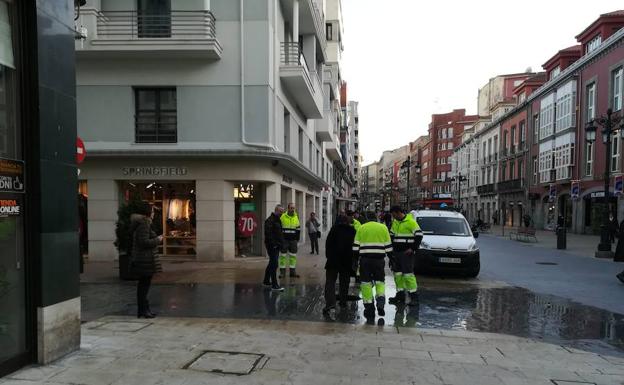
[9,208]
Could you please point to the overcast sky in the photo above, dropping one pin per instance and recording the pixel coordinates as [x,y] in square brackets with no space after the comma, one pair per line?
[407,59]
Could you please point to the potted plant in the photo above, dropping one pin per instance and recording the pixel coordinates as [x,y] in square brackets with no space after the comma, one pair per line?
[123,235]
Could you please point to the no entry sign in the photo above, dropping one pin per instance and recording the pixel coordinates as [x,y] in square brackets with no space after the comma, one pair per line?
[81,152]
[247,224]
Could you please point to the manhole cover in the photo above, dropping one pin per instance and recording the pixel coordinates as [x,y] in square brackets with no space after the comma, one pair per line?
[123,326]
[235,363]
[546,263]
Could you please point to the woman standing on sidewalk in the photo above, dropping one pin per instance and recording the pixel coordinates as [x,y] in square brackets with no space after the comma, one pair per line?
[144,262]
[314,231]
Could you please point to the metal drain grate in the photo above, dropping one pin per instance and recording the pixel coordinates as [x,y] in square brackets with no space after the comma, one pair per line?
[235,363]
[546,263]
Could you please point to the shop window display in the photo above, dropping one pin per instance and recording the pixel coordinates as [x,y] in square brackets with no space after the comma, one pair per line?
[174,213]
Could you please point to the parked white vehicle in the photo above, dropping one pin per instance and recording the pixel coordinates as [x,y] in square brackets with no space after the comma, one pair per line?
[448,245]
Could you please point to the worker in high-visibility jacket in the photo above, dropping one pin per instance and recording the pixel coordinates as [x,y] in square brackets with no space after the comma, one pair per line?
[406,237]
[372,244]
[292,233]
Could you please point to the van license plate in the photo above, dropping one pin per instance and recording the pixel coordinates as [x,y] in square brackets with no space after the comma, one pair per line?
[450,260]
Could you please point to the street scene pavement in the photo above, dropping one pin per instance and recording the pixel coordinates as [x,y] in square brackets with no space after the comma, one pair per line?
[519,322]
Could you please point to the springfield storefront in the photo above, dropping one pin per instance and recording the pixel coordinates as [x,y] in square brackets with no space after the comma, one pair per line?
[198,202]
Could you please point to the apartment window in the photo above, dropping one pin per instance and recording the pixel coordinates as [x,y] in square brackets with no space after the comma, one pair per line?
[503,172]
[593,44]
[425,178]
[512,170]
[566,111]
[318,161]
[425,152]
[522,133]
[425,165]
[512,140]
[536,125]
[563,161]
[617,88]
[555,72]
[484,152]
[520,170]
[505,141]
[483,180]
[522,97]
[287,132]
[591,102]
[154,18]
[547,113]
[300,145]
[449,145]
[589,158]
[329,31]
[615,153]
[535,170]
[450,132]
[156,115]
[495,147]
[545,166]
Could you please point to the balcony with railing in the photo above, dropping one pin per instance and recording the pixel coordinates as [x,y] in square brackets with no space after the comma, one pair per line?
[327,128]
[136,33]
[510,185]
[486,189]
[303,85]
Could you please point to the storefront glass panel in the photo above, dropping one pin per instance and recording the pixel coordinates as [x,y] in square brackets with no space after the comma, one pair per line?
[174,213]
[13,303]
[248,219]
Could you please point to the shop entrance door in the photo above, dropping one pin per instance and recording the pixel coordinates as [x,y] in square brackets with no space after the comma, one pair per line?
[13,318]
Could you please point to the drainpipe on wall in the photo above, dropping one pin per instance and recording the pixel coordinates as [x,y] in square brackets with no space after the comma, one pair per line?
[267,146]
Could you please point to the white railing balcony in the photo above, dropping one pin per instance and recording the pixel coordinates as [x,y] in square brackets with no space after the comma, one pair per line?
[126,33]
[303,85]
[327,128]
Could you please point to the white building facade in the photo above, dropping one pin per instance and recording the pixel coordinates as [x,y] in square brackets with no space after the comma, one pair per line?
[213,111]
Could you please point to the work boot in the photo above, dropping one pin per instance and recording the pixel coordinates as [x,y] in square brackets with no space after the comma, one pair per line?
[293,273]
[369,311]
[621,277]
[413,299]
[282,273]
[399,299]
[381,302]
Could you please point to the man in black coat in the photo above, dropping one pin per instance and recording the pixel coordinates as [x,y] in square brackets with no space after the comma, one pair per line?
[339,253]
[273,241]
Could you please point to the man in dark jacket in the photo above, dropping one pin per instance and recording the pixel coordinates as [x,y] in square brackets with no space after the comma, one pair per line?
[144,262]
[338,250]
[274,242]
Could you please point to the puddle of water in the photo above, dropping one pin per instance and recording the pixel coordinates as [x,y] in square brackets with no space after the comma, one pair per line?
[507,310]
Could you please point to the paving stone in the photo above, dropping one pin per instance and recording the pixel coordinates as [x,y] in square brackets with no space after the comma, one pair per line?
[122,326]
[36,373]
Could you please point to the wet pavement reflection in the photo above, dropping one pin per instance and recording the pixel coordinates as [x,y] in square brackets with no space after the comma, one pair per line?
[507,310]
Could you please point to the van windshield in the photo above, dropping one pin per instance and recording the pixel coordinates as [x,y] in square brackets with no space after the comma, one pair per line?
[456,227]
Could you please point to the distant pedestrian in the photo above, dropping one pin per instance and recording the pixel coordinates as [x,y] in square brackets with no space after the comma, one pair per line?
[338,250]
[613,228]
[144,261]
[273,241]
[387,219]
[619,250]
[314,231]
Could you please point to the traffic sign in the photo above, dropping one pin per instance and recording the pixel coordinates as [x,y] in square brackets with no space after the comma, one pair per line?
[247,224]
[81,152]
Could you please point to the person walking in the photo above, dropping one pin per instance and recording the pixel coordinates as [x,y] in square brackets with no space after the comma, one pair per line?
[406,237]
[613,228]
[338,250]
[372,244]
[291,229]
[353,221]
[273,241]
[314,231]
[144,262]
[619,249]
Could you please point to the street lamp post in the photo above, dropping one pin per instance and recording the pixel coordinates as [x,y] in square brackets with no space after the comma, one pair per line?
[459,179]
[609,125]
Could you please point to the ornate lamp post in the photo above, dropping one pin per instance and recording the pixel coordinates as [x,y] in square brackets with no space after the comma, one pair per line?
[609,124]
[459,179]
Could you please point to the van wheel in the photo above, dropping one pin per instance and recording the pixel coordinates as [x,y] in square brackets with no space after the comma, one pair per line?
[473,272]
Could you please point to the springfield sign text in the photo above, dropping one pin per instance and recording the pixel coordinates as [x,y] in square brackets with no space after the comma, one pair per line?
[154,171]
